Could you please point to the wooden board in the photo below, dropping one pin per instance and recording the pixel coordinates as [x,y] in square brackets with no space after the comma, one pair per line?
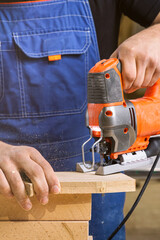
[60,207]
[74,182]
[79,183]
[40,230]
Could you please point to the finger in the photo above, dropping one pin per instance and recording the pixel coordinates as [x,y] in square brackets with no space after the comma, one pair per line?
[35,172]
[52,180]
[128,72]
[148,78]
[155,78]
[17,187]
[131,90]
[140,70]
[4,186]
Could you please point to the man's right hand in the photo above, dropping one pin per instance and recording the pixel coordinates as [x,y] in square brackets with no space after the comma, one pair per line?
[16,159]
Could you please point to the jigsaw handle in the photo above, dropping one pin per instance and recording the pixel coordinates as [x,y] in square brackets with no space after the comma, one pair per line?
[105,83]
[104,90]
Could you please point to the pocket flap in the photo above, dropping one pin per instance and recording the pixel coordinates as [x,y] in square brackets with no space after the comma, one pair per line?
[45,43]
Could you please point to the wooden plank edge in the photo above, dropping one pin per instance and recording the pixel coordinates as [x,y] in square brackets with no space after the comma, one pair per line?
[77,183]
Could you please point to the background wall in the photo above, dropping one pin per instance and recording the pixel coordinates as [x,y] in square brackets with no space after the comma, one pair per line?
[144,223]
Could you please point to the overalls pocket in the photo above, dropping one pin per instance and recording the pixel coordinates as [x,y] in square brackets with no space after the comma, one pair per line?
[50,88]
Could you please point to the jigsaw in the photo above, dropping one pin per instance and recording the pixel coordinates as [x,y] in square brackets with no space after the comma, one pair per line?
[126,132]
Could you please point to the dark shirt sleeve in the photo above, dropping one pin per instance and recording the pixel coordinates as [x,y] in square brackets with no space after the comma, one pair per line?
[142,11]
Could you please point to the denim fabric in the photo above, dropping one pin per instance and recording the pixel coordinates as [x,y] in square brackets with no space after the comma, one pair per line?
[106,215]
[43,103]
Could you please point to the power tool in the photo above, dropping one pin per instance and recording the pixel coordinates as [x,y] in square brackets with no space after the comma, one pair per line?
[126,132]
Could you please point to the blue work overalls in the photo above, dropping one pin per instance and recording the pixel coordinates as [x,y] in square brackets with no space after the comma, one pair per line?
[42,102]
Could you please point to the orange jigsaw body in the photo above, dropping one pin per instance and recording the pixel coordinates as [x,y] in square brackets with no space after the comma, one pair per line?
[147,111]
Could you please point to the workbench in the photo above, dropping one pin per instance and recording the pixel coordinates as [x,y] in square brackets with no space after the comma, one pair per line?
[67,215]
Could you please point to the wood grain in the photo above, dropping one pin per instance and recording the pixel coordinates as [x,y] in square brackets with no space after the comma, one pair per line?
[90,183]
[60,207]
[80,183]
[40,230]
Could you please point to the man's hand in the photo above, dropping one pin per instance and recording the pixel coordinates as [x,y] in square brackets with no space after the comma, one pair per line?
[15,159]
[140,57]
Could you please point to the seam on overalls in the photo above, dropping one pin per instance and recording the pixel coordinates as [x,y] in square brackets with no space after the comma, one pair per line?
[2,74]
[87,7]
[86,71]
[17,65]
[17,34]
[20,79]
[70,51]
[34,4]
[40,115]
[48,18]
